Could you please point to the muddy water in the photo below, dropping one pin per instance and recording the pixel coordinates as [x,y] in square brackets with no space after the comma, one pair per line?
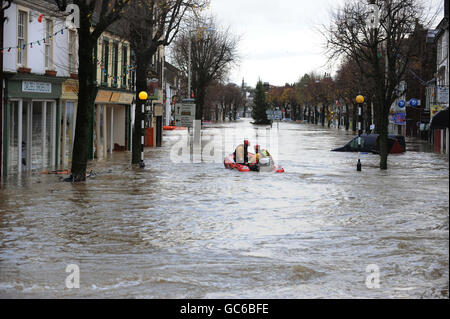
[197,230]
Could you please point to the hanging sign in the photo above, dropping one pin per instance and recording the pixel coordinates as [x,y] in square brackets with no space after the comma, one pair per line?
[400,118]
[413,102]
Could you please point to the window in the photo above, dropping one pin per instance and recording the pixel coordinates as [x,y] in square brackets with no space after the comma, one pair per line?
[48,44]
[96,62]
[22,38]
[72,52]
[354,143]
[105,61]
[115,61]
[124,65]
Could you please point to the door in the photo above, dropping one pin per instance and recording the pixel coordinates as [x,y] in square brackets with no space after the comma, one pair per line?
[158,131]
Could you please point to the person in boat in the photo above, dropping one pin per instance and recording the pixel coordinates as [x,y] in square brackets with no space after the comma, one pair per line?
[241,153]
[254,162]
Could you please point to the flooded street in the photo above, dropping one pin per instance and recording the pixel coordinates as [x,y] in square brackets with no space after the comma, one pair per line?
[198,230]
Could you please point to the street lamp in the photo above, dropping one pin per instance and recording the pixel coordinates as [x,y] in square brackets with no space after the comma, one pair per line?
[360,101]
[142,97]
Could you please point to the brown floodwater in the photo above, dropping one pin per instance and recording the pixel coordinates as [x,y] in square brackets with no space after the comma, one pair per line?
[197,230]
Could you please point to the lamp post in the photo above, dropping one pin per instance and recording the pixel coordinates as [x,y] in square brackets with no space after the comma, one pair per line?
[189,65]
[142,97]
[360,101]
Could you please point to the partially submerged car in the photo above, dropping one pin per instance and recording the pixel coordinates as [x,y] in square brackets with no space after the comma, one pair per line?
[369,144]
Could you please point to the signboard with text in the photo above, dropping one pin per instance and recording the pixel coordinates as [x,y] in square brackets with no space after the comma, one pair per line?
[36,87]
[434,109]
[400,118]
[184,114]
[442,94]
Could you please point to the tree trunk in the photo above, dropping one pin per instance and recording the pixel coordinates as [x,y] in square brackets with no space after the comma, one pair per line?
[86,100]
[354,117]
[369,116]
[329,118]
[384,128]
[347,118]
[141,85]
[223,112]
[316,116]
[322,119]
[200,102]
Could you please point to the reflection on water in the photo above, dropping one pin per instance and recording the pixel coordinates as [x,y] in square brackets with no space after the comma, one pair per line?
[201,231]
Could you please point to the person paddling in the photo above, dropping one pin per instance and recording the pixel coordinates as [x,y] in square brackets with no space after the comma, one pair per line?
[241,153]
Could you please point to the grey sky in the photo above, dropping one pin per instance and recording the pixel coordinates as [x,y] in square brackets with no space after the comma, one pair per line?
[280,39]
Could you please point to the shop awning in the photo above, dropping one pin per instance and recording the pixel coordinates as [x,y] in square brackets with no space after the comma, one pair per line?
[440,120]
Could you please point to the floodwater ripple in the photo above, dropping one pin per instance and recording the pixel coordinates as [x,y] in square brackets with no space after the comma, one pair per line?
[179,230]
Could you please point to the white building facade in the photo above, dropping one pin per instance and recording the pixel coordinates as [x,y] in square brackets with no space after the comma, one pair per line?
[40,57]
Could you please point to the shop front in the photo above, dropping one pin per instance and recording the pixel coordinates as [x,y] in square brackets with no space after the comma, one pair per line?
[112,129]
[30,122]
[69,104]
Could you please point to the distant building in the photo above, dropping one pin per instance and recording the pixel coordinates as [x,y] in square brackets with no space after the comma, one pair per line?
[172,90]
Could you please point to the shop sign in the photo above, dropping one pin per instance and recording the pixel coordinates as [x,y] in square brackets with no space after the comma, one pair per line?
[434,109]
[400,118]
[126,98]
[103,96]
[36,87]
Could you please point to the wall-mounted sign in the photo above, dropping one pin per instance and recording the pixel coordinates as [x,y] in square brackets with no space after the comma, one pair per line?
[434,109]
[442,94]
[400,118]
[126,98]
[36,87]
[103,96]
[158,110]
[115,97]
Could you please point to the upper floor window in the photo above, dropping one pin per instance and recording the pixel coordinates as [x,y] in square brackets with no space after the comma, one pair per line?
[124,65]
[105,61]
[115,63]
[48,44]
[72,52]
[22,37]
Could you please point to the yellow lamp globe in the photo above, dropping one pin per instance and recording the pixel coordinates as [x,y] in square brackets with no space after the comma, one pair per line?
[360,99]
[143,95]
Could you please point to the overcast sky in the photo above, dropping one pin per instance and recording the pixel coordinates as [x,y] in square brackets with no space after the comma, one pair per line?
[280,39]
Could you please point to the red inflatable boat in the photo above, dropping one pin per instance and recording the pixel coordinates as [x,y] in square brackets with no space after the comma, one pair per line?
[265,164]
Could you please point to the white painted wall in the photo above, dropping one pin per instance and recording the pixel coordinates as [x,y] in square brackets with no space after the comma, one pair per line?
[35,31]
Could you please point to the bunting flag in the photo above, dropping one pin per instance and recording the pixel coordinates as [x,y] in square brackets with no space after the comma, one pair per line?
[30,44]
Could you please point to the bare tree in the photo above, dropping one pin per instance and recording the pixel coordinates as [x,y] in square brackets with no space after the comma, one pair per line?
[149,24]
[381,50]
[95,17]
[213,52]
